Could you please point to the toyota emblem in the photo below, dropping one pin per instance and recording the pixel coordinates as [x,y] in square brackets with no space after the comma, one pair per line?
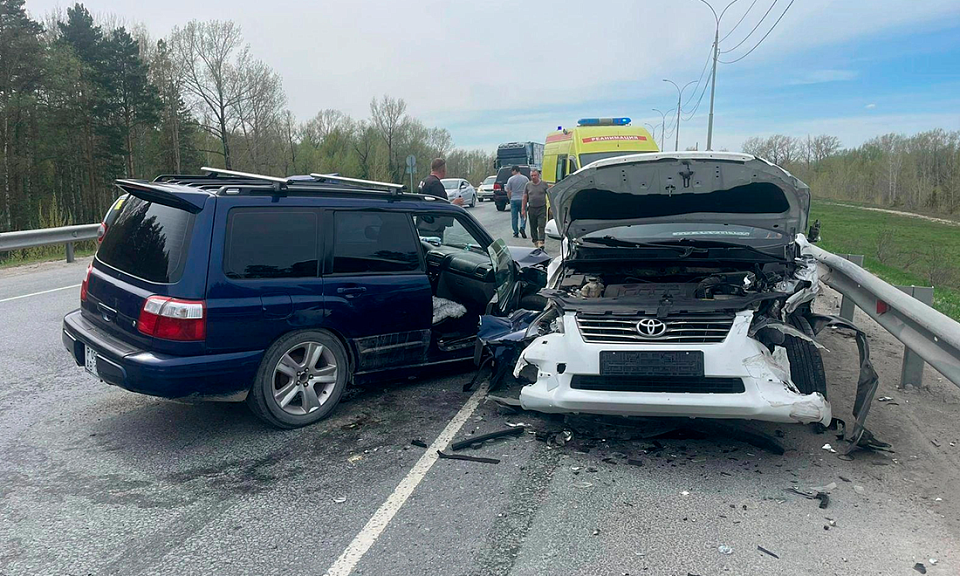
[651,328]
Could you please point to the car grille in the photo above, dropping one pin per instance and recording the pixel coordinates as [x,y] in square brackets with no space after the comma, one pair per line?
[692,329]
[681,385]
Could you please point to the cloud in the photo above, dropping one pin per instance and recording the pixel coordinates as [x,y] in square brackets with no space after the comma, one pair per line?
[870,106]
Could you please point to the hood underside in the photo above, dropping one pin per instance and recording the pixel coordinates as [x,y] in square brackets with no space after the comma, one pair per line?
[681,187]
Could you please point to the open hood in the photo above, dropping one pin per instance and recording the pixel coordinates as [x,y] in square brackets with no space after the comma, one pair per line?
[715,187]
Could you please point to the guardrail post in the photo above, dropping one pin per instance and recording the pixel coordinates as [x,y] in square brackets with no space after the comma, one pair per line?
[911,373]
[847,306]
[69,251]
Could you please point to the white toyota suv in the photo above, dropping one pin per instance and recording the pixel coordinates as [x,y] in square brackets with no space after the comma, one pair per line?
[681,291]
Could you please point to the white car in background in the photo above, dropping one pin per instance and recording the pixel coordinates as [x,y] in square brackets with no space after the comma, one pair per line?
[485,192]
[460,188]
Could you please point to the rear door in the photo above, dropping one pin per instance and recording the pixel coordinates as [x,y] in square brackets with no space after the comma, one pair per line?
[376,289]
[264,278]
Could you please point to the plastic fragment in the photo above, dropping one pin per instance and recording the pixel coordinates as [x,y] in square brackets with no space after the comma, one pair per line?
[466,458]
[829,448]
[765,551]
[725,550]
[685,493]
[339,500]
[582,484]
[515,431]
[418,443]
[884,399]
[920,568]
[859,489]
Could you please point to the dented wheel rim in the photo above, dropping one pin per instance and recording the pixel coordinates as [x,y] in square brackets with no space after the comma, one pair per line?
[304,378]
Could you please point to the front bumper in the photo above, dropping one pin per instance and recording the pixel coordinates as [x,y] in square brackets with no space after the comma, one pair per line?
[768,394]
[224,377]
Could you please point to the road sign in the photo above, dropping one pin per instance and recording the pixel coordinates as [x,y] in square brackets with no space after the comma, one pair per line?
[411,163]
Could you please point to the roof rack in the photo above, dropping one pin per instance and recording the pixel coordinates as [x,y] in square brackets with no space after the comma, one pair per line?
[250,175]
[372,183]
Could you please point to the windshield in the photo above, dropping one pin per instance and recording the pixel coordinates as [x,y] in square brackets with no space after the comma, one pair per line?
[691,232]
[594,156]
[489,180]
[450,184]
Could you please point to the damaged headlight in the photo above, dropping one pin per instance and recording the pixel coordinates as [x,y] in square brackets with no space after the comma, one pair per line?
[550,321]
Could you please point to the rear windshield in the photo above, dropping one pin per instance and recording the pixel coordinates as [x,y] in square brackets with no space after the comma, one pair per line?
[148,240]
[490,180]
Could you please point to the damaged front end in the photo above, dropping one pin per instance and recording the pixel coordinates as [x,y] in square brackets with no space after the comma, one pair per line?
[692,318]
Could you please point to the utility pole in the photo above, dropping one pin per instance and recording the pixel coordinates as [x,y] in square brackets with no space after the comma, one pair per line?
[663,124]
[680,90]
[713,75]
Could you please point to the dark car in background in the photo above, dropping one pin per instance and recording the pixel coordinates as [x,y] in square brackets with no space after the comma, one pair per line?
[279,292]
[499,190]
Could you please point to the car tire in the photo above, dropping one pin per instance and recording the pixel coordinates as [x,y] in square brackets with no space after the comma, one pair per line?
[473,203]
[501,207]
[806,366]
[297,362]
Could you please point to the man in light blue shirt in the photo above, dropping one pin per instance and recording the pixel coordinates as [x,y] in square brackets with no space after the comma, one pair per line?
[515,186]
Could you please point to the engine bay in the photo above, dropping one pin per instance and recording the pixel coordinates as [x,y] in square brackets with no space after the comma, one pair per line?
[646,285]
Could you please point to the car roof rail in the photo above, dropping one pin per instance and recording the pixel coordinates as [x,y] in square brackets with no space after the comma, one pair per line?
[372,183]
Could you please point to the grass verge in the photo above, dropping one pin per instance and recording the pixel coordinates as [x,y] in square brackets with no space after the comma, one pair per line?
[899,249]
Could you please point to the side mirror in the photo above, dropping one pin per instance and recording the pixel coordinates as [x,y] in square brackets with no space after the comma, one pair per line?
[814,235]
[463,184]
[551,230]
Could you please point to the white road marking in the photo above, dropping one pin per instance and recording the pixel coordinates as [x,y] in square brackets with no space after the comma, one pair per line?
[378,522]
[39,293]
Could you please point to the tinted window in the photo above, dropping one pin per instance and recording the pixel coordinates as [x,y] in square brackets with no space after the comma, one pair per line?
[489,180]
[277,243]
[374,242]
[148,240]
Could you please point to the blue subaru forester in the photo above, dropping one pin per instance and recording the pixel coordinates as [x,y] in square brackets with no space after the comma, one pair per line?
[280,291]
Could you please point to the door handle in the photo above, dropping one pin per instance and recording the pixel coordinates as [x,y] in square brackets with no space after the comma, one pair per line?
[351,290]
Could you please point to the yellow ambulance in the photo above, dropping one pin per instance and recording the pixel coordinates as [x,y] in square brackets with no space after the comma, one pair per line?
[569,149]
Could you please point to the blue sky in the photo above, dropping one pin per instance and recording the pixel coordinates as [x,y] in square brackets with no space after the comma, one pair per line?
[502,70]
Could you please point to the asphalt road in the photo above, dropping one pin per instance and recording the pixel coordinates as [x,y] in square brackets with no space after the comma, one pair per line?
[96,480]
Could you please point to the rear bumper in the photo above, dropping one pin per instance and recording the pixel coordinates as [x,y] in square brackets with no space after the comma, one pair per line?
[224,377]
[767,392]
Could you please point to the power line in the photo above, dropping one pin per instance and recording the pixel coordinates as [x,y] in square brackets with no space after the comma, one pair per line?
[762,18]
[764,36]
[706,62]
[699,100]
[739,21]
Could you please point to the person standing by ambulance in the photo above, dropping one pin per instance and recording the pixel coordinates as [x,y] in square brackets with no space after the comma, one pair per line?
[534,207]
[515,187]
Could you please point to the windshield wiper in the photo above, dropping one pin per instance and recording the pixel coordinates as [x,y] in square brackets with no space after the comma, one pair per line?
[621,243]
[707,245]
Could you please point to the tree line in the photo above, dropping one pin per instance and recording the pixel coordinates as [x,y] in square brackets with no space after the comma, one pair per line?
[85,100]
[919,172]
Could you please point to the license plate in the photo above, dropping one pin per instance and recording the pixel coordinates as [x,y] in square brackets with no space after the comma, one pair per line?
[646,363]
[90,360]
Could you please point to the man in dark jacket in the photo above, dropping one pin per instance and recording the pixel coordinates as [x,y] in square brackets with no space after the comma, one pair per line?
[433,226]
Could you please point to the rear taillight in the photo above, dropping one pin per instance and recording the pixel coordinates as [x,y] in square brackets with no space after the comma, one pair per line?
[85,283]
[497,186]
[173,319]
[101,232]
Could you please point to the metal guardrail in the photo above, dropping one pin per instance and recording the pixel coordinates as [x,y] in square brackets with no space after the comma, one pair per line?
[66,235]
[923,330]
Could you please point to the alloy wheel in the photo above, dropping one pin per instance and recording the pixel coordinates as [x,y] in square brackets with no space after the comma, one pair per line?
[304,378]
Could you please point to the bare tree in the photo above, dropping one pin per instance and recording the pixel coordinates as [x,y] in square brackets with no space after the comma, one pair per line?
[326,122]
[210,56]
[824,146]
[259,113]
[387,116]
[439,141]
